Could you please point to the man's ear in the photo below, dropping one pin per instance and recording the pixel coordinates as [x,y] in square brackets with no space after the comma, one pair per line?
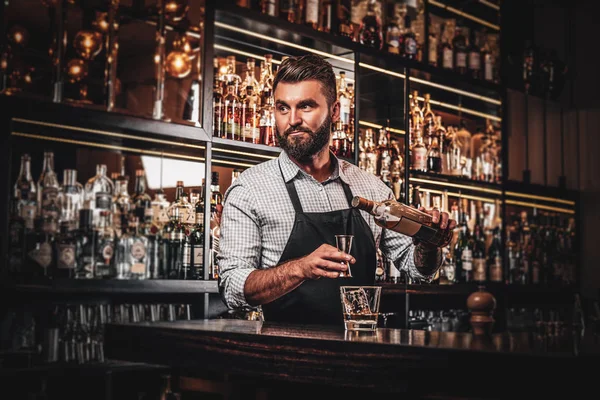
[335,111]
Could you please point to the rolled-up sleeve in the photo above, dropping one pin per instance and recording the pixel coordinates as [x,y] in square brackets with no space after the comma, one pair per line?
[239,244]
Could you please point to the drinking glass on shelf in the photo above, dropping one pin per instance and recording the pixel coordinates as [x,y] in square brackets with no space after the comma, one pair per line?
[344,244]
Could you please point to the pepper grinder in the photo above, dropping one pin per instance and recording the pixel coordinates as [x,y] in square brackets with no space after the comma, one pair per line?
[481,305]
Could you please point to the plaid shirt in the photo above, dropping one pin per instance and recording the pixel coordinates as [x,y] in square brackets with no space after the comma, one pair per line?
[258,217]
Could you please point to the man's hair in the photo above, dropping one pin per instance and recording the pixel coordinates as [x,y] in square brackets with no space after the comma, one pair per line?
[308,67]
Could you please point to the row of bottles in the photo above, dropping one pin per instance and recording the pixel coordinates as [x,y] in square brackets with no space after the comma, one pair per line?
[541,248]
[453,320]
[101,231]
[452,150]
[393,27]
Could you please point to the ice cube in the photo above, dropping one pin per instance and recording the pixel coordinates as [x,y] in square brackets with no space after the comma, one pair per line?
[356,302]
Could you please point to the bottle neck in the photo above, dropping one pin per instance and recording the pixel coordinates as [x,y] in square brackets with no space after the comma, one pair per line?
[48,163]
[140,185]
[179,193]
[25,171]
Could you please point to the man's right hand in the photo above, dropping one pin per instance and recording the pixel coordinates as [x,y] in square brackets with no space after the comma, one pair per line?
[326,261]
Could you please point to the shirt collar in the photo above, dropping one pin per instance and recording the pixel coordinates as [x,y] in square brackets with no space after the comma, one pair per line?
[290,170]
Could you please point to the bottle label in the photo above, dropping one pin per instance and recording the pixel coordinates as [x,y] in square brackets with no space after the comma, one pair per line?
[467,259]
[138,268]
[103,201]
[187,253]
[474,61]
[138,250]
[107,252]
[447,61]
[496,270]
[312,11]
[419,159]
[42,255]
[28,214]
[345,110]
[489,70]
[271,8]
[461,60]
[479,269]
[66,256]
[410,46]
[198,255]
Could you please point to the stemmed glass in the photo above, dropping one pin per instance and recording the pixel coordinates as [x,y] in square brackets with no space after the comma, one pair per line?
[344,244]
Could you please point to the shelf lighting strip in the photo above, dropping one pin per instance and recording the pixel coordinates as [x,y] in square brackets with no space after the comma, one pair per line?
[490,4]
[383,71]
[377,126]
[107,133]
[282,42]
[542,198]
[461,109]
[256,56]
[464,14]
[540,206]
[243,153]
[107,146]
[458,91]
[457,185]
[464,196]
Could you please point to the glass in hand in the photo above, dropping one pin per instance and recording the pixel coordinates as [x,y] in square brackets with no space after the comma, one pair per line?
[344,244]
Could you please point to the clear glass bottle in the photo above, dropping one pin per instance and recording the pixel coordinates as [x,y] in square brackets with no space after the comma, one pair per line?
[122,204]
[185,211]
[459,43]
[160,210]
[344,100]
[463,138]
[142,203]
[48,189]
[70,199]
[98,193]
[370,153]
[384,159]
[40,252]
[25,193]
[232,108]
[266,78]
[132,257]
[418,150]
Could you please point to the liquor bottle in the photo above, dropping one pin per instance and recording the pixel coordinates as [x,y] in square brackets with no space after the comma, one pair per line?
[133,258]
[16,239]
[67,251]
[230,75]
[446,50]
[459,43]
[410,46]
[266,78]
[25,193]
[370,29]
[47,192]
[463,137]
[218,112]
[395,28]
[250,78]
[529,66]
[415,196]
[466,244]
[474,56]
[344,100]
[160,210]
[251,116]
[266,123]
[434,157]
[196,245]
[453,154]
[432,51]
[479,259]
[401,218]
[70,199]
[311,13]
[345,26]
[494,258]
[40,251]
[99,187]
[185,214]
[428,120]
[174,237]
[231,113]
[142,203]
[122,204]
[339,145]
[269,7]
[87,241]
[418,150]
[105,245]
[288,10]
[489,63]
[216,199]
[371,155]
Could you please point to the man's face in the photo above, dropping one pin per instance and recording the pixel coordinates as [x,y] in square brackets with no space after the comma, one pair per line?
[303,119]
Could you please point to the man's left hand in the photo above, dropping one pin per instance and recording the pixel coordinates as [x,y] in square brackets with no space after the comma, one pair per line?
[441,218]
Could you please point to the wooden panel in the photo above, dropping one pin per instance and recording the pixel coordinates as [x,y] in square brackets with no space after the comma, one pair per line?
[571,150]
[516,140]
[553,144]
[536,141]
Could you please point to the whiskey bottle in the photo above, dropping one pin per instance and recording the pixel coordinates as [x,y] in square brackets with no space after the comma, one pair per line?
[266,78]
[453,154]
[410,46]
[429,120]
[250,78]
[345,27]
[266,123]
[474,56]
[432,51]
[384,157]
[105,243]
[479,259]
[231,113]
[434,157]
[446,51]
[25,193]
[394,29]
[418,150]
[160,210]
[370,29]
[218,112]
[311,13]
[250,116]
[401,218]
[494,259]
[196,244]
[47,191]
[87,241]
[459,43]
[122,204]
[371,155]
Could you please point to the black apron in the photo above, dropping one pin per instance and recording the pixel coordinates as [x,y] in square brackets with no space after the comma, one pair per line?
[318,301]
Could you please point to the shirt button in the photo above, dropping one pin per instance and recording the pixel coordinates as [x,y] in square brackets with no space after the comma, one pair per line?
[321,188]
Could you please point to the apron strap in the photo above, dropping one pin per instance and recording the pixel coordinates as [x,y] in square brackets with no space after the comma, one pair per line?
[292,192]
[348,192]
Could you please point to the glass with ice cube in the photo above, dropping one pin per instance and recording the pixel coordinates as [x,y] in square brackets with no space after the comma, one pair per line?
[360,307]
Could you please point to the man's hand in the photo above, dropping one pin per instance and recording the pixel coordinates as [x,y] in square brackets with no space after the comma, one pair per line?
[438,217]
[326,261]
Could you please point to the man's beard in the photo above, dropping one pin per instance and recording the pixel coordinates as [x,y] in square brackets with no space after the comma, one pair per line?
[301,148]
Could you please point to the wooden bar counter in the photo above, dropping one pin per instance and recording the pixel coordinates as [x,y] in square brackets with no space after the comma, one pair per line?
[305,361]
